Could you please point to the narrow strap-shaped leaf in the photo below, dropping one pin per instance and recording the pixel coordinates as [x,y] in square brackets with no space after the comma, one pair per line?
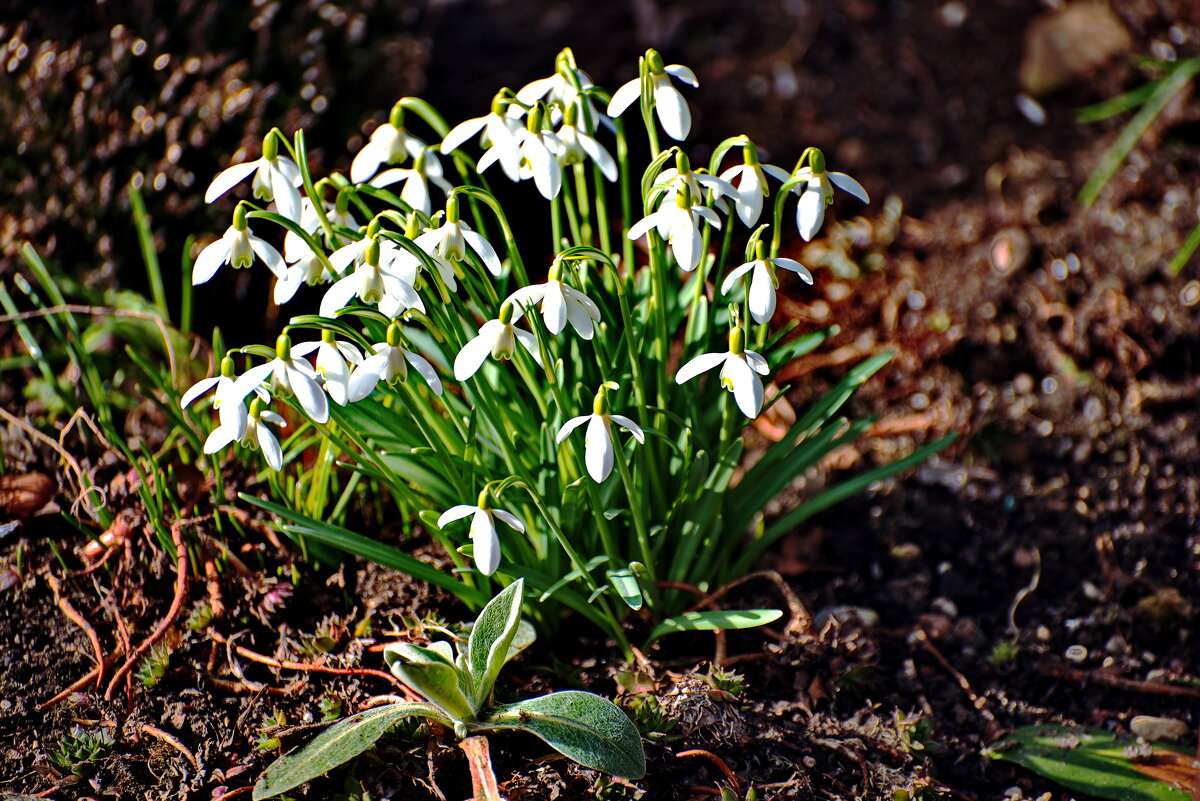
[339,743]
[715,621]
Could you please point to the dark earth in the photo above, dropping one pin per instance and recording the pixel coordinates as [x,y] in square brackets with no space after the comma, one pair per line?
[1043,568]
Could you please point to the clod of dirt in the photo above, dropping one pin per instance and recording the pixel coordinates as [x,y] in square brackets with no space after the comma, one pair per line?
[1070,44]
[23,495]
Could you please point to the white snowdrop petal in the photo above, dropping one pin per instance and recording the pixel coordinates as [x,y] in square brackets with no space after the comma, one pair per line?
[461,133]
[471,357]
[219,439]
[511,520]
[682,73]
[531,344]
[631,426]
[422,366]
[554,310]
[338,295]
[485,251]
[762,295]
[455,513]
[702,363]
[569,426]
[270,256]
[308,393]
[796,267]
[746,386]
[848,184]
[598,449]
[198,389]
[757,363]
[731,279]
[367,162]
[623,97]
[270,447]
[672,111]
[810,212]
[486,545]
[229,178]
[210,260]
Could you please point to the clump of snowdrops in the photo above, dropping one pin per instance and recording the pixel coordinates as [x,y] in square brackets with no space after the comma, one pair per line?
[575,422]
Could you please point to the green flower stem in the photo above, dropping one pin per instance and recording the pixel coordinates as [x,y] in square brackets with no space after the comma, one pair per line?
[300,154]
[556,224]
[582,196]
[598,181]
[569,203]
[627,250]
[635,505]
[578,564]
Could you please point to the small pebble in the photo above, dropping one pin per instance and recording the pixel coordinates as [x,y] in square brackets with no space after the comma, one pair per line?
[1152,728]
[945,606]
[1076,653]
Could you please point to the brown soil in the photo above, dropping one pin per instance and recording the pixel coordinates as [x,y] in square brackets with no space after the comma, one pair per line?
[1062,523]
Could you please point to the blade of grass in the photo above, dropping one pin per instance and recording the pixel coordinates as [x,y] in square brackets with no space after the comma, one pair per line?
[141,222]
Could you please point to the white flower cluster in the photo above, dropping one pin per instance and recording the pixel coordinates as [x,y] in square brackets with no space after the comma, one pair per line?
[400,268]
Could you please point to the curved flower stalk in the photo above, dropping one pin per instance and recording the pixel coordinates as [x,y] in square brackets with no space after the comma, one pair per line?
[815,187]
[485,544]
[254,434]
[288,376]
[598,447]
[389,363]
[276,178]
[740,369]
[452,238]
[763,281]
[498,339]
[334,362]
[498,134]
[426,169]
[751,183]
[559,303]
[669,105]
[237,248]
[389,143]
[679,224]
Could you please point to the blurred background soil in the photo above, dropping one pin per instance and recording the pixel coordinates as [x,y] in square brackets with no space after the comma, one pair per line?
[1044,568]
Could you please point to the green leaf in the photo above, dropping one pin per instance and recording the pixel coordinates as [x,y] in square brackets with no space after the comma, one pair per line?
[589,729]
[431,673]
[715,621]
[491,636]
[339,743]
[627,587]
[1099,763]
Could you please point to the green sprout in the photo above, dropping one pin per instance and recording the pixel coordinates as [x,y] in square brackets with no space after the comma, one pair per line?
[456,682]
[81,751]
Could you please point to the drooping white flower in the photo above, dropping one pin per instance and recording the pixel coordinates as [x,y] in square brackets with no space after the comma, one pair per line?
[499,131]
[254,435]
[388,364]
[237,248]
[389,143]
[669,105]
[288,376]
[335,359]
[763,282]
[560,304]
[496,338]
[451,240]
[485,544]
[740,369]
[371,283]
[276,178]
[228,405]
[750,181]
[294,246]
[815,188]
[537,148]
[575,145]
[308,269]
[598,447]
[426,169]
[679,224]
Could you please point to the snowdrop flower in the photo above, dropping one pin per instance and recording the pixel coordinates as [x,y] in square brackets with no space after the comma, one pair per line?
[371,283]
[387,364]
[560,304]
[815,187]
[537,148]
[228,405]
[497,338]
[415,192]
[334,360]
[598,448]
[485,545]
[450,241]
[255,435]
[308,269]
[237,248]
[763,282]
[389,143]
[740,369]
[289,377]
[576,145]
[499,136]
[275,178]
[294,246]
[679,224]
[669,104]
[751,184]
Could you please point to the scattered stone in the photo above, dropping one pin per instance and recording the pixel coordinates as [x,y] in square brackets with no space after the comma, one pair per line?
[1152,728]
[1070,44]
